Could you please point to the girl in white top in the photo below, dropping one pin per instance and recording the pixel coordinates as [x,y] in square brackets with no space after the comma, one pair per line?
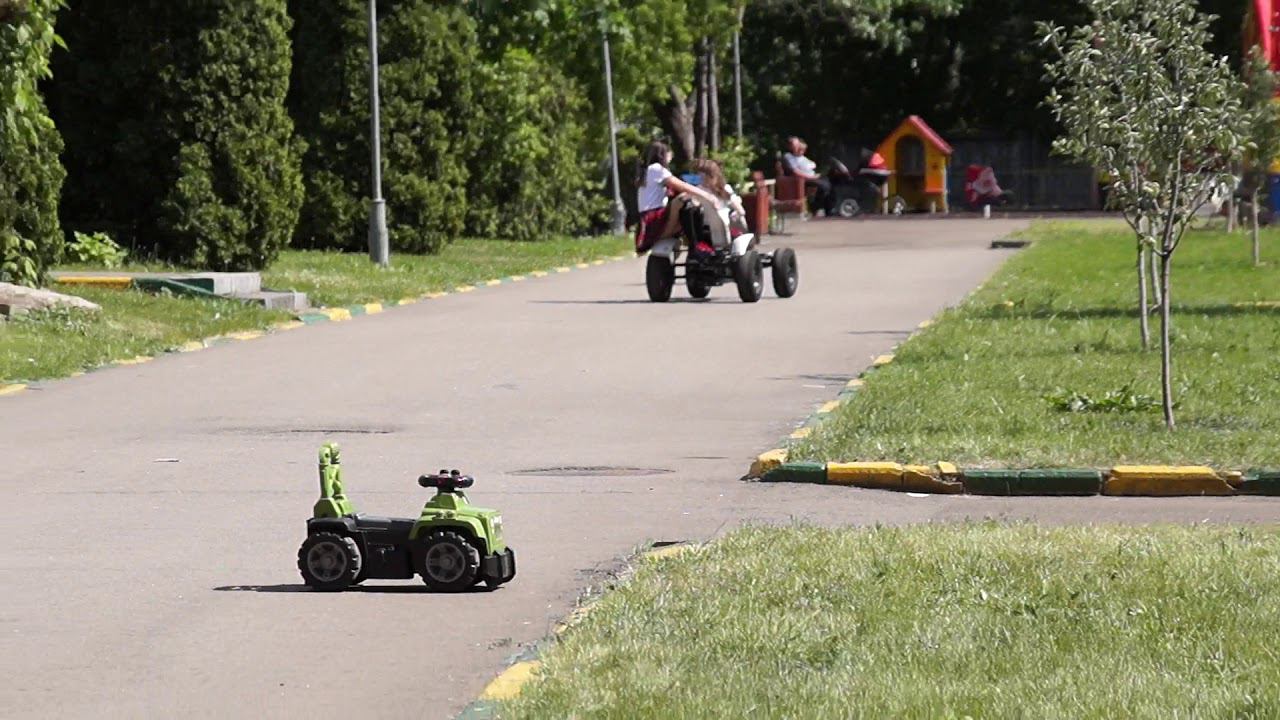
[659,218]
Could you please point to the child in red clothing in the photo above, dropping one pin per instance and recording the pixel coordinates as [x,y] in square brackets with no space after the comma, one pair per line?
[659,218]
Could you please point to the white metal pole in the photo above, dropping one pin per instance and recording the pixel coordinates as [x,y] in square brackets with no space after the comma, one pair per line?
[619,210]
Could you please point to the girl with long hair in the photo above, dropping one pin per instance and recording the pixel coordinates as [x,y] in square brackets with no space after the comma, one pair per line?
[660,217]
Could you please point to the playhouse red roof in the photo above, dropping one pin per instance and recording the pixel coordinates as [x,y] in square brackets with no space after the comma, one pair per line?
[922,128]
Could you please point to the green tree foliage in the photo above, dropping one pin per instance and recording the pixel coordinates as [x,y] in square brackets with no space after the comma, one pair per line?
[1141,97]
[428,59]
[178,140]
[30,173]
[528,174]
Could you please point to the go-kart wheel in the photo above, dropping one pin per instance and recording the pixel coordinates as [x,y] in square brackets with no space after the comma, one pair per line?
[329,561]
[848,208]
[749,274]
[448,563]
[786,274]
[659,278]
[897,205]
[697,288]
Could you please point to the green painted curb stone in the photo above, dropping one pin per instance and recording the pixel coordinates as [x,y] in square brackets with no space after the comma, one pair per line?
[989,482]
[1059,481]
[356,310]
[798,472]
[1260,482]
[313,318]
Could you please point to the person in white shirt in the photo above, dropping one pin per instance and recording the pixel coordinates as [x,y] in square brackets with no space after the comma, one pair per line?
[660,218]
[795,163]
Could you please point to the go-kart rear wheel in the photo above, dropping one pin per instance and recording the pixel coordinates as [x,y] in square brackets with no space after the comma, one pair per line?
[329,561]
[749,274]
[786,274]
[848,208]
[659,278]
[698,288]
[448,563]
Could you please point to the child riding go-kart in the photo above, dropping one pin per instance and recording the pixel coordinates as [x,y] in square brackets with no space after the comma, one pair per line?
[739,259]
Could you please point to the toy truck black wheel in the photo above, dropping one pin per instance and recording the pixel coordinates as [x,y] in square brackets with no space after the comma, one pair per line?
[786,274]
[848,207]
[448,563]
[329,561]
[659,278]
[749,274]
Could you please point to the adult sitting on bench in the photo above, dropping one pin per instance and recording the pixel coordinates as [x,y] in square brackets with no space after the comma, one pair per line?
[795,163]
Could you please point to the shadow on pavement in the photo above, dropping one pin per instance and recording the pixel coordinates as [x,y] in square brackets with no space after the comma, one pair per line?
[376,589]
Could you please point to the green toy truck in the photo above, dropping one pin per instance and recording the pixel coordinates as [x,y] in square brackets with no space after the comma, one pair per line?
[452,545]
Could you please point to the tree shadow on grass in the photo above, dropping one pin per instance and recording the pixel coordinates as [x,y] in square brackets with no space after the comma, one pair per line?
[406,589]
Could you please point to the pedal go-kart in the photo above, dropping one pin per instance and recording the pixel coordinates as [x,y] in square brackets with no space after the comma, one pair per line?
[738,260]
[453,545]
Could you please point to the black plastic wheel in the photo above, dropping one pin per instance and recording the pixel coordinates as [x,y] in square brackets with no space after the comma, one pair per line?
[329,561]
[698,288]
[659,278]
[848,208]
[749,274]
[786,274]
[448,563]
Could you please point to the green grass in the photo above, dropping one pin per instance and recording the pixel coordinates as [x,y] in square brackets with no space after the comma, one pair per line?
[1060,319]
[979,621]
[55,344]
[337,279]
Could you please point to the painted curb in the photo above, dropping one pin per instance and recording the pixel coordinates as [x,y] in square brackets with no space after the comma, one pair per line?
[946,479]
[310,317]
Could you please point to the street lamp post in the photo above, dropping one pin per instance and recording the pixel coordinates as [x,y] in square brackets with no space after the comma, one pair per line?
[379,250]
[619,210]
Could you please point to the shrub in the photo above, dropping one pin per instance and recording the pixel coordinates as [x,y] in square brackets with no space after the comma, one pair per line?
[30,173]
[427,57]
[529,177]
[177,134]
[97,249]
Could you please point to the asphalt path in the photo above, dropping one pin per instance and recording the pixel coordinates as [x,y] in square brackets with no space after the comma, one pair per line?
[154,512]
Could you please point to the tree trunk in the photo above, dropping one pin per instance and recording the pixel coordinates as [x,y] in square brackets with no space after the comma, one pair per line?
[1231,212]
[1166,360]
[1143,325]
[1253,222]
[713,100]
[676,117]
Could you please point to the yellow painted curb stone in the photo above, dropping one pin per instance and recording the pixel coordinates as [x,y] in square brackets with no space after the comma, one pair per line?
[925,324]
[291,325]
[597,262]
[434,295]
[508,685]
[946,468]
[575,617]
[924,479]
[767,461]
[191,346]
[140,359]
[12,389]
[883,360]
[492,283]
[1165,481]
[245,335]
[517,278]
[563,269]
[801,433]
[118,282]
[582,266]
[667,551]
[828,407]
[336,314]
[464,288]
[372,308]
[880,475]
[407,301]
[539,273]
[855,383]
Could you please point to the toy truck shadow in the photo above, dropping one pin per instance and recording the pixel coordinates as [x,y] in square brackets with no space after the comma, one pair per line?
[452,545]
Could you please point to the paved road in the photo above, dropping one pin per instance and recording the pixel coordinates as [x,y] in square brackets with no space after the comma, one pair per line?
[132,587]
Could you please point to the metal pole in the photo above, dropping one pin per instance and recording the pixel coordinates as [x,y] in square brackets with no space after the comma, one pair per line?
[619,210]
[737,80]
[379,249]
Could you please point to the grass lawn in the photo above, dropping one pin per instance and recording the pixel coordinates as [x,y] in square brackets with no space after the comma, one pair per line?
[50,345]
[336,279]
[959,621]
[55,344]
[986,385]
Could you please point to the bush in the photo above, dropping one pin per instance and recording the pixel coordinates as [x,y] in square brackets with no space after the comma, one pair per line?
[97,249]
[30,174]
[529,176]
[427,57]
[177,135]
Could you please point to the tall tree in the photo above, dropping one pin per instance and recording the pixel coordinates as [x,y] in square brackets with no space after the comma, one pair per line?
[1140,96]
[30,174]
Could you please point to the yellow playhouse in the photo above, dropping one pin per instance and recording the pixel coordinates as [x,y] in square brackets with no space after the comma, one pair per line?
[918,157]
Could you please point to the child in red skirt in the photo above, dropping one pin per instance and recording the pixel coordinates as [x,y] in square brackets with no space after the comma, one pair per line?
[660,218]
